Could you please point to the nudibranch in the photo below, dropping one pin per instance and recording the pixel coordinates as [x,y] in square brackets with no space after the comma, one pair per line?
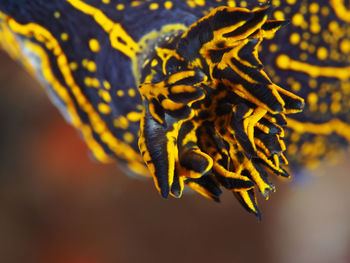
[172,89]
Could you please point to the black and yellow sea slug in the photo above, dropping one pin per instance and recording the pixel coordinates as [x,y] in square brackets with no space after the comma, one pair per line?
[177,90]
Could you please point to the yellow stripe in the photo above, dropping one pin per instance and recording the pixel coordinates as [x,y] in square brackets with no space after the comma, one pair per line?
[42,35]
[118,37]
[340,10]
[332,126]
[7,40]
[285,62]
[64,95]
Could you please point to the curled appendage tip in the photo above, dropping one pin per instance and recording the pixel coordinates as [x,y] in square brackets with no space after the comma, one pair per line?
[213,119]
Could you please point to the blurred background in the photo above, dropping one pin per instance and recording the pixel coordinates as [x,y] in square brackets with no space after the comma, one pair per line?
[59,206]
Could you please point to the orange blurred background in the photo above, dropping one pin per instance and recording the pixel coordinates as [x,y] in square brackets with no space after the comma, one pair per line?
[59,206]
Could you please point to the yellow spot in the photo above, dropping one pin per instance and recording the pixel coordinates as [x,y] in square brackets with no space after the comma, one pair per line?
[84,62]
[273,48]
[200,2]
[314,8]
[294,38]
[87,81]
[313,83]
[57,14]
[276,79]
[154,62]
[333,26]
[312,98]
[315,28]
[91,66]
[298,19]
[296,86]
[104,108]
[120,93]
[335,107]
[283,61]
[306,35]
[95,82]
[295,137]
[191,3]
[303,45]
[106,85]
[120,7]
[121,123]
[290,80]
[311,48]
[292,149]
[345,46]
[231,3]
[131,92]
[243,4]
[64,36]
[92,82]
[168,5]
[291,2]
[105,95]
[279,15]
[154,6]
[106,1]
[128,137]
[94,45]
[322,53]
[276,3]
[303,9]
[135,3]
[73,65]
[134,116]
[336,96]
[325,10]
[303,56]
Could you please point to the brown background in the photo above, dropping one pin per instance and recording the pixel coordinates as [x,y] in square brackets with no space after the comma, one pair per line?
[58,206]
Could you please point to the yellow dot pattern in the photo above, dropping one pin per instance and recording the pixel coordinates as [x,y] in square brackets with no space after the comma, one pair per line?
[94,45]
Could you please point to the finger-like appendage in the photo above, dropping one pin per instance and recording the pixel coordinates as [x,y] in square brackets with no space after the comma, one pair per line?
[221,28]
[241,112]
[205,186]
[157,146]
[247,198]
[293,103]
[178,184]
[231,180]
[194,162]
[259,176]
[258,19]
[250,122]
[270,27]
[248,53]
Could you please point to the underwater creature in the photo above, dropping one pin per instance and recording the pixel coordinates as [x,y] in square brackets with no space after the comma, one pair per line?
[177,89]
